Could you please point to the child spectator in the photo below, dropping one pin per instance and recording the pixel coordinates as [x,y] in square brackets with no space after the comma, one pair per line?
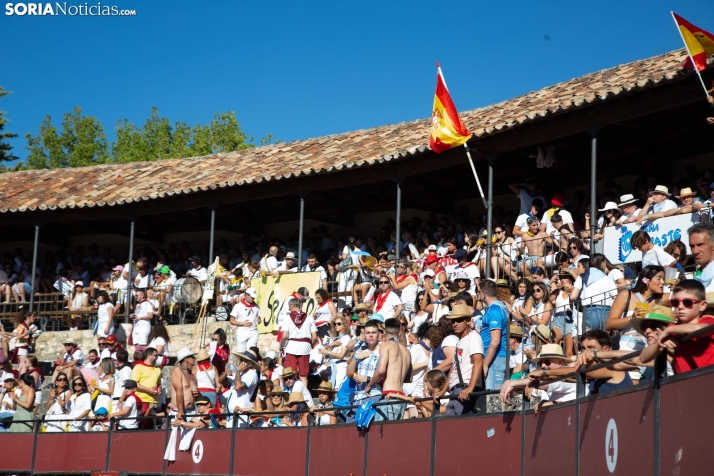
[651,254]
[689,303]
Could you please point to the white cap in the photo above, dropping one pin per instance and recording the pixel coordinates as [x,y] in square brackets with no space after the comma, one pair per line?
[78,283]
[429,272]
[432,248]
[183,353]
[106,354]
[252,293]
[271,355]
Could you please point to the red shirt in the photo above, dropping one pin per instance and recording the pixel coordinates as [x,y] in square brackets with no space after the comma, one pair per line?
[697,352]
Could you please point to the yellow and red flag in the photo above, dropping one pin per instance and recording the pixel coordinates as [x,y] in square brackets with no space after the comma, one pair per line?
[699,43]
[446,128]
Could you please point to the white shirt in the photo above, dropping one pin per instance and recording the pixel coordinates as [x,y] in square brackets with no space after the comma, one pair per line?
[269,264]
[200,274]
[389,306]
[157,341]
[304,332]
[318,268]
[284,267]
[565,215]
[77,406]
[103,318]
[416,386]
[465,349]
[662,207]
[298,387]
[657,256]
[242,312]
[472,272]
[250,380]
[558,392]
[77,355]
[522,222]
[92,366]
[143,309]
[599,293]
[130,403]
[625,216]
[119,377]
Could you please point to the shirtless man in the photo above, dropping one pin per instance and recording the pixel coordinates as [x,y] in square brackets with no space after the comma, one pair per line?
[533,245]
[394,368]
[183,385]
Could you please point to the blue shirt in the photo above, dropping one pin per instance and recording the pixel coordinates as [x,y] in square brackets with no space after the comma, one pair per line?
[495,317]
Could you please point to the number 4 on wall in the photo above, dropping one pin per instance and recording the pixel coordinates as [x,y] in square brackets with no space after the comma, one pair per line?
[611,445]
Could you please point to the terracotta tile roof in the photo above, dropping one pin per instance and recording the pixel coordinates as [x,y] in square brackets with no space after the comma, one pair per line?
[106,185]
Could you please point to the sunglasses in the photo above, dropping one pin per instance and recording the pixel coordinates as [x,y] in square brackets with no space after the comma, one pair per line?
[688,303]
[401,266]
[498,231]
[78,384]
[275,396]
[537,291]
[384,282]
[338,324]
[102,345]
[460,319]
[573,247]
[546,361]
[652,325]
[62,380]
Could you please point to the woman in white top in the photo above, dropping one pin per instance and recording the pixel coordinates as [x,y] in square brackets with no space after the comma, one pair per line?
[324,312]
[78,301]
[421,358]
[105,314]
[105,386]
[523,303]
[338,348]
[542,308]
[325,395]
[57,405]
[616,276]
[405,283]
[205,374]
[79,405]
[563,312]
[635,303]
[416,318]
[159,339]
[348,276]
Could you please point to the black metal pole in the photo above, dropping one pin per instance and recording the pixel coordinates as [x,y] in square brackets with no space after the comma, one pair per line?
[307,445]
[580,393]
[211,258]
[658,368]
[489,216]
[34,447]
[432,463]
[366,452]
[523,433]
[109,446]
[166,442]
[301,227]
[132,220]
[231,459]
[593,184]
[34,268]
[397,243]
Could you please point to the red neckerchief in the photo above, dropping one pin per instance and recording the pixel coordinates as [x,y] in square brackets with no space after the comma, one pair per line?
[204,366]
[324,302]
[298,318]
[297,296]
[381,298]
[246,304]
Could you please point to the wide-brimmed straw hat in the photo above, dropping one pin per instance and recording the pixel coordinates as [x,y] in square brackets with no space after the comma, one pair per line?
[660,314]
[515,331]
[362,307]
[248,356]
[202,355]
[287,372]
[325,387]
[459,310]
[626,199]
[295,397]
[660,189]
[686,192]
[552,351]
[542,332]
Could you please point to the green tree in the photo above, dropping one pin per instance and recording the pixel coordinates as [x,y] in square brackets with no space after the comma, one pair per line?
[81,142]
[5,148]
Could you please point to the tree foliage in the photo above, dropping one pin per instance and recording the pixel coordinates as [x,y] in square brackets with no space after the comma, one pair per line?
[5,148]
[82,140]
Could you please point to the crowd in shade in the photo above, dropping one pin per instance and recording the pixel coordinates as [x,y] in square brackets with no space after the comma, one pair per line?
[418,328]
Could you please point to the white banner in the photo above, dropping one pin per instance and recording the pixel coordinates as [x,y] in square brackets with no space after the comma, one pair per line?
[617,247]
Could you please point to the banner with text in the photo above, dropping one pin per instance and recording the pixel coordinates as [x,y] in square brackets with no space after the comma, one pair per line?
[617,246]
[274,293]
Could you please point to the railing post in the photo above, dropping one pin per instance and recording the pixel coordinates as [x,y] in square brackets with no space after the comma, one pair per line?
[593,183]
[127,311]
[34,268]
[366,452]
[38,424]
[109,445]
[231,459]
[166,441]
[212,238]
[307,445]
[432,463]
[580,393]
[660,364]
[524,402]
[398,237]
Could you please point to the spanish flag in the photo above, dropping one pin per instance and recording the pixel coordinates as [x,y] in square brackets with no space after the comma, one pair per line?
[699,43]
[446,128]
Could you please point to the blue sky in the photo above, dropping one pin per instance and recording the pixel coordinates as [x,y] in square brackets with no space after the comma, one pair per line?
[306,69]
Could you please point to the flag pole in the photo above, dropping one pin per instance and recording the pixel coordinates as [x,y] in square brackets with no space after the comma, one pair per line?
[691,58]
[473,169]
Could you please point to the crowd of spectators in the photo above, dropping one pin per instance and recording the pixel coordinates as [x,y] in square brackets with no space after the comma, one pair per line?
[390,325]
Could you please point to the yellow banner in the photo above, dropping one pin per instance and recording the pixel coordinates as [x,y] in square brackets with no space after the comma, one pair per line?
[274,293]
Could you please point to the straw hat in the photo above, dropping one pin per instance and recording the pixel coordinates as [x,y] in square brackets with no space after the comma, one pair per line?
[502,282]
[248,356]
[287,372]
[626,199]
[661,314]
[295,397]
[515,331]
[362,307]
[325,387]
[202,355]
[542,332]
[686,192]
[552,351]
[660,189]
[459,310]
[609,206]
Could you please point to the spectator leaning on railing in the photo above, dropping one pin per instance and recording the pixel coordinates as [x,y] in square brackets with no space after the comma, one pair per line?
[701,242]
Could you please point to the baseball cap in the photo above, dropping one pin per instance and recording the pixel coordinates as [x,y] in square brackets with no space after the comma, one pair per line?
[252,293]
[118,268]
[431,259]
[130,383]
[111,339]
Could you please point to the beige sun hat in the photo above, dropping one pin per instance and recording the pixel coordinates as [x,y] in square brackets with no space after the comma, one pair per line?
[686,192]
[552,351]
[660,189]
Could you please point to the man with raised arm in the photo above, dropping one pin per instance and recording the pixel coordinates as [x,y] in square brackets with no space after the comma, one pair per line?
[394,368]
